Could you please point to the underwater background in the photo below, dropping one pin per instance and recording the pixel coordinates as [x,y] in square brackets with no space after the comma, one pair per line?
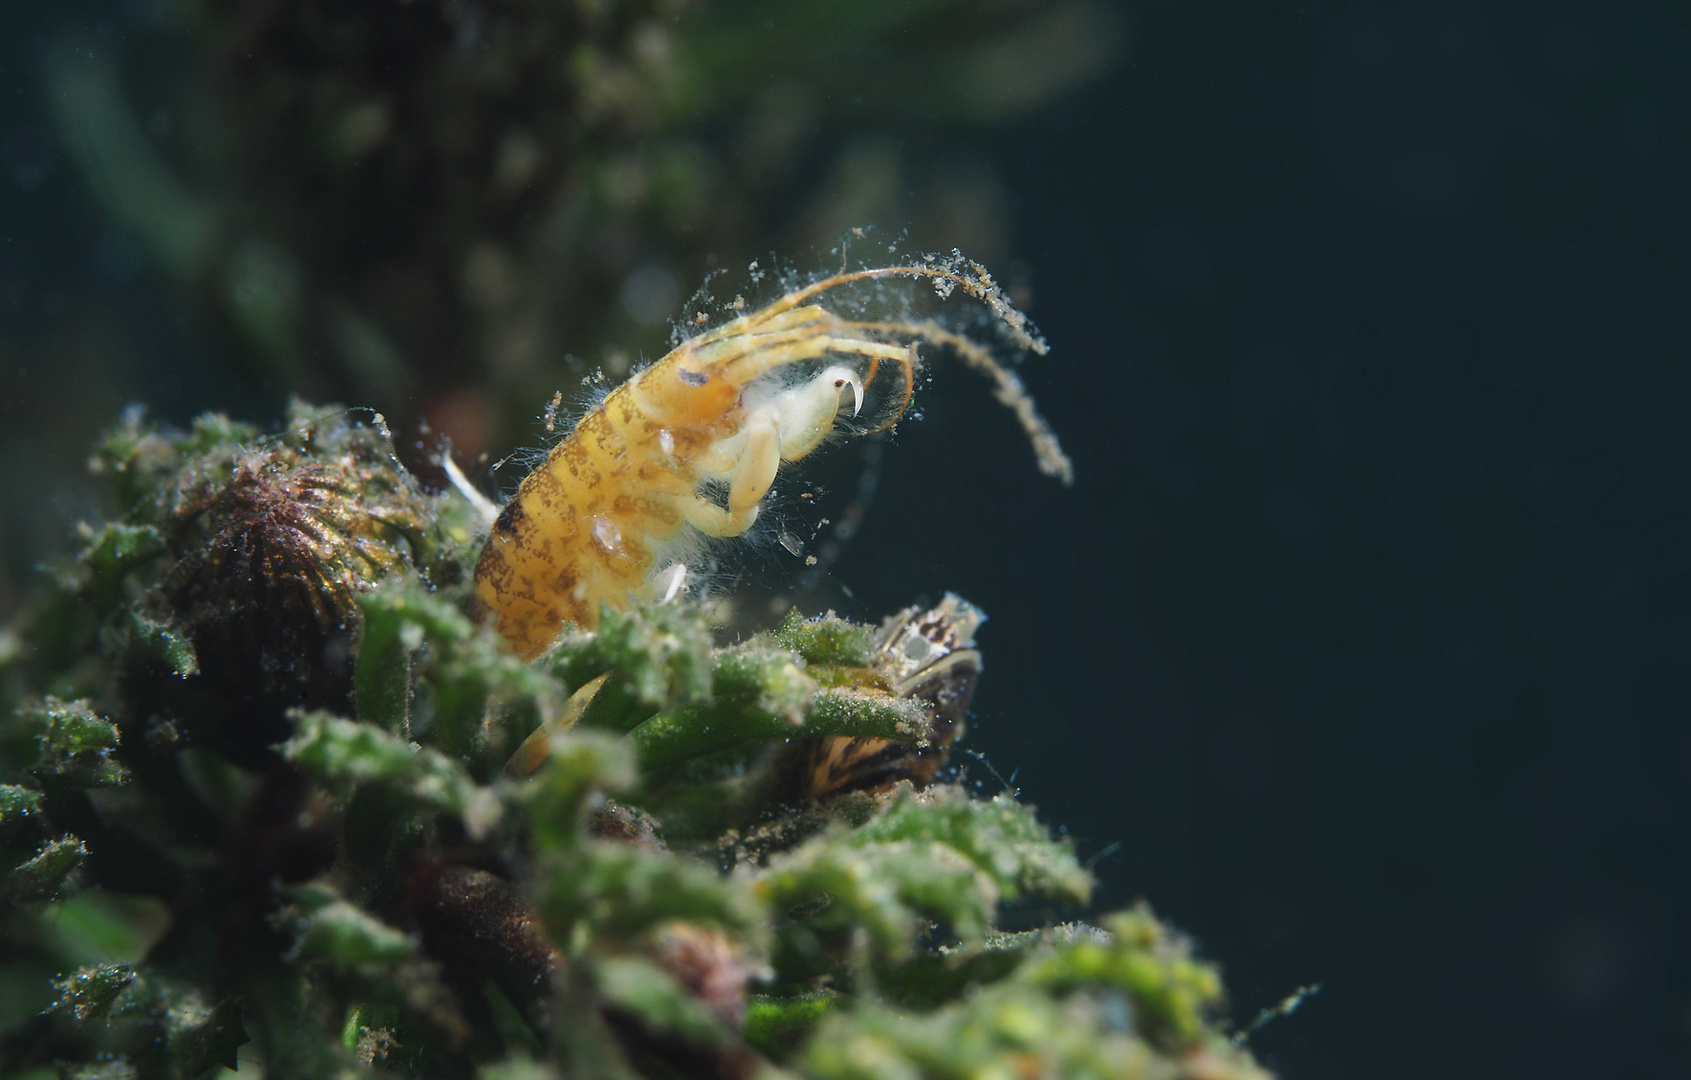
[1359,646]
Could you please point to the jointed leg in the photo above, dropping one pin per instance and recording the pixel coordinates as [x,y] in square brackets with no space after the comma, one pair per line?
[758,464]
[759,460]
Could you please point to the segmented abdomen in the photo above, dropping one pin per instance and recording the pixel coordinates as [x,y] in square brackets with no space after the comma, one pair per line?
[580,530]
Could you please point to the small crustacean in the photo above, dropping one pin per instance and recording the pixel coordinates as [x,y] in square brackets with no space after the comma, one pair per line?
[617,497]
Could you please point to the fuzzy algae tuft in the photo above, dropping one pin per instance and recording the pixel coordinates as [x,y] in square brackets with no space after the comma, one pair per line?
[255,812]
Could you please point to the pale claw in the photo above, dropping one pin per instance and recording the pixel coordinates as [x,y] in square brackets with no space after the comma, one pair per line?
[841,377]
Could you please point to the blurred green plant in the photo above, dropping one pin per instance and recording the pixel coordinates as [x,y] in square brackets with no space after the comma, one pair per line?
[331,867]
[424,205]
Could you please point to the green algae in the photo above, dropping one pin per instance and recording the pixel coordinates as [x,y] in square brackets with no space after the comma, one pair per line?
[338,877]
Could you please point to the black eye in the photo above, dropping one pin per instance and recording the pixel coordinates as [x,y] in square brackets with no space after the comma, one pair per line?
[692,378]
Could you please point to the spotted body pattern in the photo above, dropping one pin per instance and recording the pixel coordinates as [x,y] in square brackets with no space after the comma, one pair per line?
[595,522]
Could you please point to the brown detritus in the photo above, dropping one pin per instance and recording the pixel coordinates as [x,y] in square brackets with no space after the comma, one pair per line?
[626,825]
[480,928]
[753,846]
[374,1045]
[709,964]
[482,920]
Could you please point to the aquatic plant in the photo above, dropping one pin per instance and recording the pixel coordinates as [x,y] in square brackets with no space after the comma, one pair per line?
[428,206]
[259,806]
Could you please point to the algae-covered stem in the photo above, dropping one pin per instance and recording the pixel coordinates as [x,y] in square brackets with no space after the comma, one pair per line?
[621,495]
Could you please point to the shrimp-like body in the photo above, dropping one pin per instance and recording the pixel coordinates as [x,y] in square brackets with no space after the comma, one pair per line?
[589,525]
